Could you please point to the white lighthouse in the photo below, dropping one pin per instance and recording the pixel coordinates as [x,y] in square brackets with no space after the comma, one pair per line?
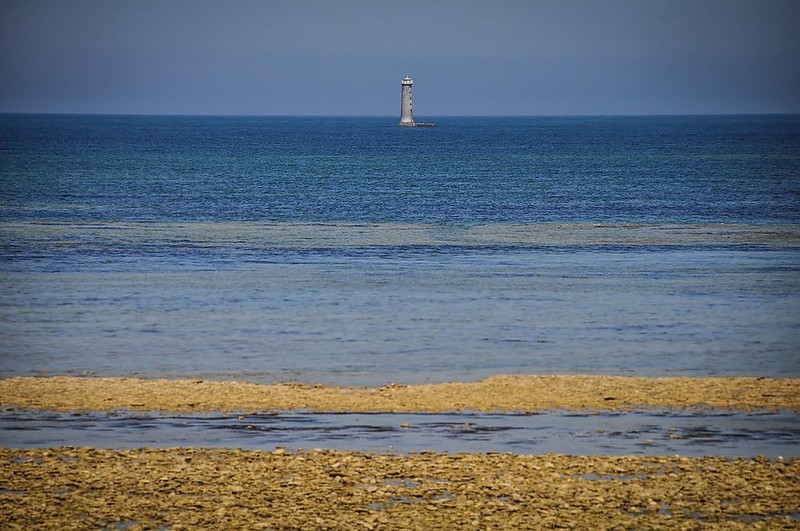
[406,111]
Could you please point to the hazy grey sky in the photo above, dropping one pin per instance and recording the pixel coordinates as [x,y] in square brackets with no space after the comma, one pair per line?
[346,57]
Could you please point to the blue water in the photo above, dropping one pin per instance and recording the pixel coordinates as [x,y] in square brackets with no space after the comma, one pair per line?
[352,251]
[468,170]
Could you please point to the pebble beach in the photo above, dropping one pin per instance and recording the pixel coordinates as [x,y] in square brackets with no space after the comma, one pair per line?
[181,488]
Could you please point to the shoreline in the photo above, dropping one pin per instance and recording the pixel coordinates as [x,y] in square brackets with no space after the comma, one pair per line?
[224,488]
[511,394]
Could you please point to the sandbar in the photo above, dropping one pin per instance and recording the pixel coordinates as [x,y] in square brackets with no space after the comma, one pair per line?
[518,393]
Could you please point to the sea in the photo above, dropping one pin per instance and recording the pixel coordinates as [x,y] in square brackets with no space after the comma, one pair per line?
[351,251]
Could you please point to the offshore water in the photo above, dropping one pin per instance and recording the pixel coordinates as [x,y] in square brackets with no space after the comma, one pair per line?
[352,251]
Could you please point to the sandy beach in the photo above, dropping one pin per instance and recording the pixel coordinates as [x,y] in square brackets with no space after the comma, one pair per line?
[200,488]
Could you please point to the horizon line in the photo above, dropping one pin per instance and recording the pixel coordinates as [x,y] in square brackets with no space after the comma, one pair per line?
[388,116]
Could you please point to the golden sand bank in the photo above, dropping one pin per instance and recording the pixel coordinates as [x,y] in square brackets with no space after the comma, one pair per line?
[71,488]
[498,393]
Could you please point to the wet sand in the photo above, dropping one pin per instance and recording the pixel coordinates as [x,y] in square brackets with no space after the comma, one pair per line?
[524,394]
[321,489]
[196,488]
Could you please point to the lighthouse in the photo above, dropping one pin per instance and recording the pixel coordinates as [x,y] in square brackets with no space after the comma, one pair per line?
[406,112]
[406,109]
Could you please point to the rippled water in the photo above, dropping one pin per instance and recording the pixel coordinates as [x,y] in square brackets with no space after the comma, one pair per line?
[351,251]
[366,305]
[638,433]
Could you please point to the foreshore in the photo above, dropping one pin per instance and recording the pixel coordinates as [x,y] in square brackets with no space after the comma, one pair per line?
[184,488]
[518,394]
[201,488]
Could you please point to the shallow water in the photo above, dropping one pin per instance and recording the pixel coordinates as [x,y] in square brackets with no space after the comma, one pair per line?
[638,433]
[368,304]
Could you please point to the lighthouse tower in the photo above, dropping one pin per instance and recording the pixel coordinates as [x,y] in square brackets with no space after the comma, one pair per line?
[406,112]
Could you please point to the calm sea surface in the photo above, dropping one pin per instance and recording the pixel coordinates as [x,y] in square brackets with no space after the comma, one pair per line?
[352,251]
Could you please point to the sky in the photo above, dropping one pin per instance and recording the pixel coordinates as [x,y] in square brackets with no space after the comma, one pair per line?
[347,57]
